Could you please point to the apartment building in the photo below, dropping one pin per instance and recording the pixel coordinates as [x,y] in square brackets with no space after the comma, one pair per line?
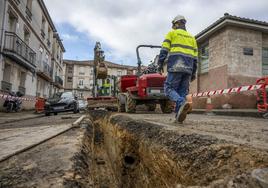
[57,64]
[29,48]
[78,76]
[233,52]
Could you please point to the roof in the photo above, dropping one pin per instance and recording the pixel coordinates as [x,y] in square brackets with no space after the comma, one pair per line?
[57,36]
[228,19]
[91,62]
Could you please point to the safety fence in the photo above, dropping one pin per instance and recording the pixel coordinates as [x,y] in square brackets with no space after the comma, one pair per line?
[228,90]
[4,96]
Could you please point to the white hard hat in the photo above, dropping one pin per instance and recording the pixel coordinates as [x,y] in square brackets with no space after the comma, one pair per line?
[178,18]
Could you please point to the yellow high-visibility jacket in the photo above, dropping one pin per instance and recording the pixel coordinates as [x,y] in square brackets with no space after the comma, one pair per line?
[180,48]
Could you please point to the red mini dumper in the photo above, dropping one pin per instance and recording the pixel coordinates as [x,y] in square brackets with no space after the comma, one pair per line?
[141,89]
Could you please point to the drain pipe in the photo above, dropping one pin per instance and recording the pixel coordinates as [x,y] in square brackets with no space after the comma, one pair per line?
[130,160]
[2,28]
[2,36]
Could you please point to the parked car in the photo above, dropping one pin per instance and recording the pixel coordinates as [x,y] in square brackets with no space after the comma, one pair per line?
[61,102]
[82,104]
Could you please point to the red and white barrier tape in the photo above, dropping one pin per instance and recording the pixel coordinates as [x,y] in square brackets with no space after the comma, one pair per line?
[228,91]
[4,96]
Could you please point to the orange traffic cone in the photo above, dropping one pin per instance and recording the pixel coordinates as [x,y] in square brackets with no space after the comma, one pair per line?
[209,106]
[189,99]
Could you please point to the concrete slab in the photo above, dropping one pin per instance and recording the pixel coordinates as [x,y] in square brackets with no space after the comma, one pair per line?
[231,112]
[13,140]
[15,116]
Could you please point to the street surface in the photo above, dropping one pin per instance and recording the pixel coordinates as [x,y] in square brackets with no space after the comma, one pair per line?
[241,130]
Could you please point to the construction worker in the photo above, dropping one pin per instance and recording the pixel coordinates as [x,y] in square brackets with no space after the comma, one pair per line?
[180,49]
[107,87]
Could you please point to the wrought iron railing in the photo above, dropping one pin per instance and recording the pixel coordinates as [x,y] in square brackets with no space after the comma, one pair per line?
[47,69]
[16,45]
[58,80]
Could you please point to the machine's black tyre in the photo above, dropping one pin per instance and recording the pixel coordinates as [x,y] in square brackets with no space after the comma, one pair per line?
[121,107]
[130,104]
[166,106]
[76,108]
[9,107]
[151,107]
[47,113]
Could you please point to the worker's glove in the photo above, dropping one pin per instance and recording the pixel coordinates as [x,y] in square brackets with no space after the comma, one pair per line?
[160,69]
[193,77]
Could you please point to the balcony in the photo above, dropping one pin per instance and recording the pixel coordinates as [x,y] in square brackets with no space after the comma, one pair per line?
[28,14]
[45,71]
[16,49]
[22,89]
[58,82]
[48,43]
[6,86]
[43,33]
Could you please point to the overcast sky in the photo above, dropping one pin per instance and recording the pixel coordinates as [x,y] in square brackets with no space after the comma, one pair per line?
[121,25]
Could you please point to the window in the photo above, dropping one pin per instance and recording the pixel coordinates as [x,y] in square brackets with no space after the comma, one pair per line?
[70,69]
[81,82]
[81,73]
[48,36]
[204,59]
[67,95]
[22,78]
[7,72]
[29,10]
[17,2]
[119,73]
[40,55]
[26,36]
[265,61]
[248,51]
[69,79]
[81,70]
[12,22]
[29,4]
[43,27]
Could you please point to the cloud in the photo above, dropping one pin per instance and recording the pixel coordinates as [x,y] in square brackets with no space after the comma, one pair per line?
[69,37]
[123,24]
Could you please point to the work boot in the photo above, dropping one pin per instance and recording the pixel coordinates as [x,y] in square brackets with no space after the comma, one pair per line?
[182,113]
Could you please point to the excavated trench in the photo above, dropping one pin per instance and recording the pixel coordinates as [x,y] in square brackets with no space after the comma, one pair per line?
[118,151]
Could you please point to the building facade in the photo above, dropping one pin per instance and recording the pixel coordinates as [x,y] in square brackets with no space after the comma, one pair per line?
[233,51]
[27,59]
[78,76]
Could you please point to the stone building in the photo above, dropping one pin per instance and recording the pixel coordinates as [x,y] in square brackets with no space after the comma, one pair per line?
[233,51]
[57,63]
[27,57]
[78,76]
